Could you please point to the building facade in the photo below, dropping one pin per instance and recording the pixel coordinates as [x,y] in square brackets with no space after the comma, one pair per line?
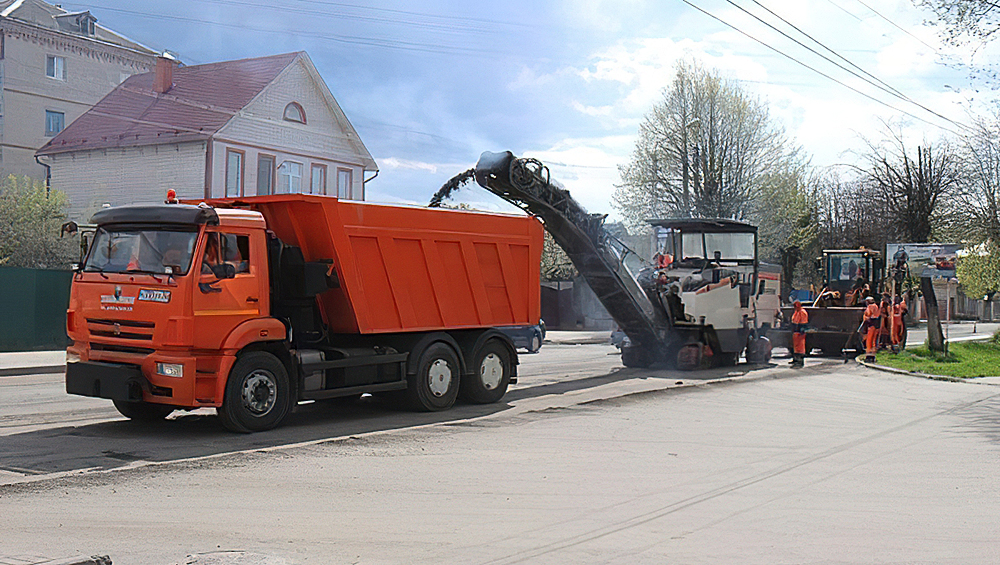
[54,66]
[259,126]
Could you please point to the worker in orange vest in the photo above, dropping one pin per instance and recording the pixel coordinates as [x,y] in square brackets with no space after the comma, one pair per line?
[899,310]
[800,319]
[871,323]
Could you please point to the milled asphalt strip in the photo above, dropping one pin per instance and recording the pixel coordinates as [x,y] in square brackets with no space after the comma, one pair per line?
[515,410]
[24,371]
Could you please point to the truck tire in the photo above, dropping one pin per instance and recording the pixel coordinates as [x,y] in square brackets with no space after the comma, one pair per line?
[491,369]
[535,343]
[257,393]
[435,385]
[143,411]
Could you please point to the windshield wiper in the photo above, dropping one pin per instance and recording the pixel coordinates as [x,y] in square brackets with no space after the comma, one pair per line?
[145,272]
[99,270]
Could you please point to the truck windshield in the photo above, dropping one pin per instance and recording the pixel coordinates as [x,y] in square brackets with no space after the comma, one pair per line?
[731,246]
[151,250]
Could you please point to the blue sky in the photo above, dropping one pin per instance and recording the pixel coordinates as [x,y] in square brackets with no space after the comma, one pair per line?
[431,84]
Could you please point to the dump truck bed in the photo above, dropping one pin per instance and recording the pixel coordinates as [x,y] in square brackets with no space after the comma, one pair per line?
[404,269]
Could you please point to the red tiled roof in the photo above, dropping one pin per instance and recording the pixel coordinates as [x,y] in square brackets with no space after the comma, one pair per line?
[203,99]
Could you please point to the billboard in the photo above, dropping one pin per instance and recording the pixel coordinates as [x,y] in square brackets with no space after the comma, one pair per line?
[935,260]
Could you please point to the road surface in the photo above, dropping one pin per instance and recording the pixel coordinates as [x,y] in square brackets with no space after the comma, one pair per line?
[831,464]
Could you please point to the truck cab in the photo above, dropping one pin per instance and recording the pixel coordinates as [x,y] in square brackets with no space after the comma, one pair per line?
[163,301]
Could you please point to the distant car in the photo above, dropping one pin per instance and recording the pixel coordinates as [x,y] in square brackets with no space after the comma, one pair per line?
[526,337]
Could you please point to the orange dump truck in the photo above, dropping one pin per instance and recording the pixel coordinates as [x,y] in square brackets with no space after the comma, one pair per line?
[250,306]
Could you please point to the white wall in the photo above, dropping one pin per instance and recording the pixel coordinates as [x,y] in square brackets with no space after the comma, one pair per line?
[133,175]
[326,138]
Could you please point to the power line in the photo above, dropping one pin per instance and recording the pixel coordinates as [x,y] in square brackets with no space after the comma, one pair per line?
[347,39]
[882,85]
[897,26]
[815,70]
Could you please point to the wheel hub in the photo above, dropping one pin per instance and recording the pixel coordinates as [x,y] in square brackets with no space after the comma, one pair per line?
[260,391]
[491,371]
[439,375]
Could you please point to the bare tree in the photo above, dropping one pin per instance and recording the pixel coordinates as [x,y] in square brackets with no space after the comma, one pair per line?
[977,20]
[973,213]
[701,152]
[912,188]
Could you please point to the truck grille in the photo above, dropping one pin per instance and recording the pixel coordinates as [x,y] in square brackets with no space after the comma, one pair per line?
[121,329]
[121,349]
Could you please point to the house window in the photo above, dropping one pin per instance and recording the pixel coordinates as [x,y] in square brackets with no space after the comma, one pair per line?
[234,173]
[265,175]
[295,113]
[345,178]
[54,122]
[55,67]
[318,183]
[290,177]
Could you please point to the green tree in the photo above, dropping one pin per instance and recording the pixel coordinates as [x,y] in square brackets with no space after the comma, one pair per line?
[30,219]
[556,265]
[702,151]
[979,271]
[787,222]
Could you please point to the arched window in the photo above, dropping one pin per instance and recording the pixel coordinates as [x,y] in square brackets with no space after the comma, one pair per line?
[295,113]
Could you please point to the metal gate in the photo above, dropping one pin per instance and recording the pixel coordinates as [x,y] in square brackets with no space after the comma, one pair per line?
[33,309]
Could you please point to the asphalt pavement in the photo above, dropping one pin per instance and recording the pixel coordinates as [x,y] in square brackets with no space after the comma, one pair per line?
[585,462]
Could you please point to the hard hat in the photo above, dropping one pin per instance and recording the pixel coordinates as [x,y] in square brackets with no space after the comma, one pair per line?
[797,303]
[869,299]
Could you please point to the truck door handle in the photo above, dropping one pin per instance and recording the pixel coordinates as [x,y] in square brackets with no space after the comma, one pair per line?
[251,299]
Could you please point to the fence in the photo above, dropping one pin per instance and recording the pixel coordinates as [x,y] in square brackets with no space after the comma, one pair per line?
[33,309]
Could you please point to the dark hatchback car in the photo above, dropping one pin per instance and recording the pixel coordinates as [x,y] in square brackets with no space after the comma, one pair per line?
[526,337]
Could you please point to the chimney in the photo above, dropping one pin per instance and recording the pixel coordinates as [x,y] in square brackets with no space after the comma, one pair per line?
[163,80]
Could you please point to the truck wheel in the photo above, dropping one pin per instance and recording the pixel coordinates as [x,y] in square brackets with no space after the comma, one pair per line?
[257,393]
[535,344]
[143,411]
[435,386]
[491,374]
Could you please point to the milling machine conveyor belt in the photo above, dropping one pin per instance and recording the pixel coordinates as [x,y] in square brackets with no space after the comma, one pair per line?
[525,183]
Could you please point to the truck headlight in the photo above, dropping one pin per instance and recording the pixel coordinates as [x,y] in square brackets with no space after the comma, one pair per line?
[170,369]
[72,357]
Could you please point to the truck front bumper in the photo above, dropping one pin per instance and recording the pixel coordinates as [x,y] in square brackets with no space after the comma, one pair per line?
[105,380]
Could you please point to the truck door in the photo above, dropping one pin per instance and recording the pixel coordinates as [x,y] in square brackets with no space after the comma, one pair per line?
[222,304]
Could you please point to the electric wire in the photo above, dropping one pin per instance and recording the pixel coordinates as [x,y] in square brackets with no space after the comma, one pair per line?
[882,85]
[346,39]
[897,26]
[817,71]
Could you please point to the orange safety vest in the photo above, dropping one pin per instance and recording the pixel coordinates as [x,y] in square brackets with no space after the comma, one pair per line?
[800,316]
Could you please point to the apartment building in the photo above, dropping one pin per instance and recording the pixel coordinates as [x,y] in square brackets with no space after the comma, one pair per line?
[54,66]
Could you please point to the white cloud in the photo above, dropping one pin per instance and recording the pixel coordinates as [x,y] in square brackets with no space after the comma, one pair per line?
[395,163]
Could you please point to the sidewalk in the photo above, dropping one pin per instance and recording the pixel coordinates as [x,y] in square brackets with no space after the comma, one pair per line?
[32,362]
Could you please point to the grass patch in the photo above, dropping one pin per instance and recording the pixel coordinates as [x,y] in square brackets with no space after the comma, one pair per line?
[964,360]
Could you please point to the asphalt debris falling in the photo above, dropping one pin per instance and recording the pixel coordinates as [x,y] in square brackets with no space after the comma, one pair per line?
[454,183]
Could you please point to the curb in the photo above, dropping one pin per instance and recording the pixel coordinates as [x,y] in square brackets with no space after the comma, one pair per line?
[896,371]
[41,370]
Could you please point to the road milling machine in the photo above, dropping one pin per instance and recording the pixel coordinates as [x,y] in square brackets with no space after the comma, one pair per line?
[696,306]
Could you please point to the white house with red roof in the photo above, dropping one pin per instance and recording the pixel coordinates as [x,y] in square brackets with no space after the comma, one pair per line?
[265,125]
